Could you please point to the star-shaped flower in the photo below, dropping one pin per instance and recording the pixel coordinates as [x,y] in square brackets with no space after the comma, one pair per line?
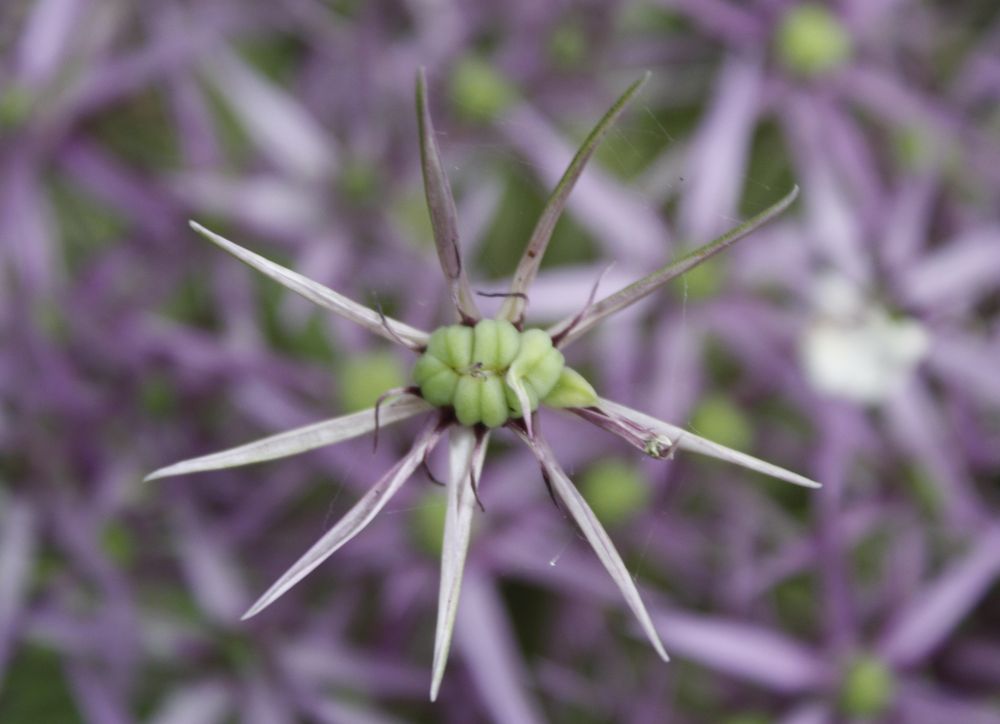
[478,375]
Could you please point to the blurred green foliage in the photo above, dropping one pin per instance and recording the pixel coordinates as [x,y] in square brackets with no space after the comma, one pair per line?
[811,40]
[719,419]
[363,378]
[426,521]
[868,687]
[518,211]
[35,690]
[480,92]
[615,489]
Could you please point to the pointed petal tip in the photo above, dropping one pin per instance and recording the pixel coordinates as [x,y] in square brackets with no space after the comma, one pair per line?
[436,684]
[654,639]
[160,473]
[259,606]
[440,661]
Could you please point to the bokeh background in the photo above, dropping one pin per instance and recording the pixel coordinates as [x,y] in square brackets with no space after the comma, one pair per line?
[855,340]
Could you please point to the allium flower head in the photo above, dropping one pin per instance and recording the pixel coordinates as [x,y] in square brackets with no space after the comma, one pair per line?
[478,375]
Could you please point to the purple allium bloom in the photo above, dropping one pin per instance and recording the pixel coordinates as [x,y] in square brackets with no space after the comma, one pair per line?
[124,343]
[465,414]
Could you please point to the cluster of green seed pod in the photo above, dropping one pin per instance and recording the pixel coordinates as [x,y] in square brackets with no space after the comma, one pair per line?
[483,372]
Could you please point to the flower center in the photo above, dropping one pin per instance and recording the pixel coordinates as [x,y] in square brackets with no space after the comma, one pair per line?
[486,372]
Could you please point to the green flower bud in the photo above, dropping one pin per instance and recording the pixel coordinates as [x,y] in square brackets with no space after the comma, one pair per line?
[363,379]
[868,687]
[615,490]
[493,402]
[811,40]
[571,390]
[479,91]
[717,418]
[459,344]
[440,389]
[478,371]
[426,522]
[466,401]
[495,343]
[515,404]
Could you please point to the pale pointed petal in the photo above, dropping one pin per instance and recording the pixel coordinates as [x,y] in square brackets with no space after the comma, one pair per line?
[465,464]
[933,613]
[315,292]
[207,702]
[595,534]
[489,648]
[771,659]
[353,522]
[300,439]
[275,121]
[527,268]
[570,328]
[441,205]
[517,384]
[685,440]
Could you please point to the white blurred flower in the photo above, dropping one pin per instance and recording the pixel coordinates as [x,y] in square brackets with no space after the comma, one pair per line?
[855,349]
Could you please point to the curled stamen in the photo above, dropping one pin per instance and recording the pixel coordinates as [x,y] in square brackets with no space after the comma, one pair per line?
[519,295]
[523,400]
[444,422]
[558,337]
[474,480]
[389,329]
[425,464]
[548,486]
[473,477]
[654,444]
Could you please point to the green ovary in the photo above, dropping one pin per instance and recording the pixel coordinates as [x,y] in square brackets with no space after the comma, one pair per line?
[480,371]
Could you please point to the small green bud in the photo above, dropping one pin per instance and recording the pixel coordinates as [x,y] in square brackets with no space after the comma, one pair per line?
[719,419]
[459,343]
[426,522]
[615,490]
[493,402]
[479,91]
[811,40]
[515,404]
[15,107]
[495,343]
[508,344]
[535,344]
[867,688]
[568,45]
[437,345]
[467,398]
[439,390]
[545,374]
[363,379]
[571,390]
[359,182]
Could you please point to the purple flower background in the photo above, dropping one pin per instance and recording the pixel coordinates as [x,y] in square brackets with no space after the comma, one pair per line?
[855,340]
